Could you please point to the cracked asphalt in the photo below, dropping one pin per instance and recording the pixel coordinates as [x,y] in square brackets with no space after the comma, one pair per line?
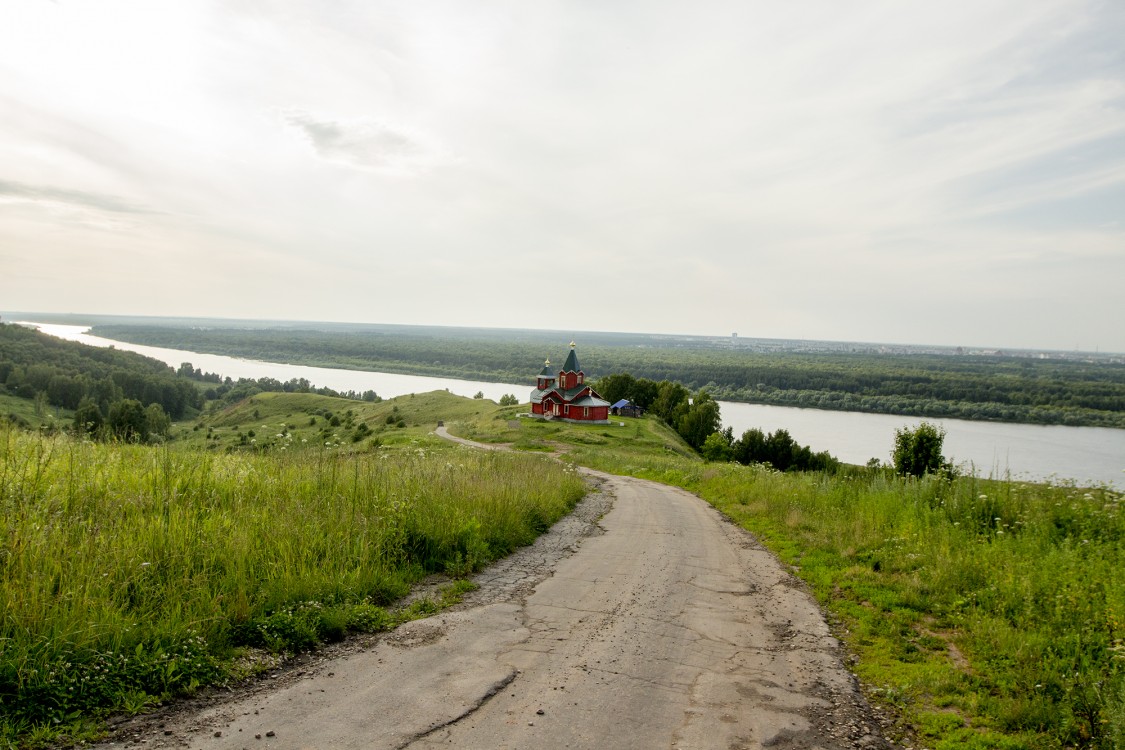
[642,620]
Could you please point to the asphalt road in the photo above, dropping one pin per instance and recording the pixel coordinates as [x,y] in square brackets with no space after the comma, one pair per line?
[657,625]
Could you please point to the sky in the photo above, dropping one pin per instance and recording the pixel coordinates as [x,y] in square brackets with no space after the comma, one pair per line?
[904,172]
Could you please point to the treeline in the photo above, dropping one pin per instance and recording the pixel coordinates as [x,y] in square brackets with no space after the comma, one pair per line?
[123,395]
[999,388]
[230,391]
[63,374]
[698,421]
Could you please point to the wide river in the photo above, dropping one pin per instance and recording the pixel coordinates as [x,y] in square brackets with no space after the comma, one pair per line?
[1086,455]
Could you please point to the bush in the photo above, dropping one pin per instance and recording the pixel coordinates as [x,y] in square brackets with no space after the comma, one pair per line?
[917,452]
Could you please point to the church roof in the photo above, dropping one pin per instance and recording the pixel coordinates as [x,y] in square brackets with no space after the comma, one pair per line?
[568,395]
[571,364]
[547,372]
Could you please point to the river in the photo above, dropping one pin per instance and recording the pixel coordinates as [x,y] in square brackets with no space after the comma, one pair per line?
[1086,455]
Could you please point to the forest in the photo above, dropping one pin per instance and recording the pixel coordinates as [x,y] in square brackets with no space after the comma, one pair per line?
[996,387]
[118,393]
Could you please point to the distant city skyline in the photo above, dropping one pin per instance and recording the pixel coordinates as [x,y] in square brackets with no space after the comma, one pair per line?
[945,174]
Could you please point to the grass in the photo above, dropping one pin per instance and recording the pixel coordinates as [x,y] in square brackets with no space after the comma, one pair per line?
[27,413]
[986,614]
[275,421]
[621,438]
[132,574]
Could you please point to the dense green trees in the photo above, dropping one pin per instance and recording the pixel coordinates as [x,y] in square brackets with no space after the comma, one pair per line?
[88,419]
[779,450]
[65,373]
[699,422]
[640,391]
[127,421]
[717,447]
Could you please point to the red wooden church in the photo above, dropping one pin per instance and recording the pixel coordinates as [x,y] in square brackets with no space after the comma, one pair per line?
[569,397]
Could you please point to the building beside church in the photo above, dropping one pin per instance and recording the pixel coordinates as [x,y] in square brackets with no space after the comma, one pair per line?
[564,394]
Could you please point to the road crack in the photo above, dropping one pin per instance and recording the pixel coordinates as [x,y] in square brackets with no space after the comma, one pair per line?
[488,695]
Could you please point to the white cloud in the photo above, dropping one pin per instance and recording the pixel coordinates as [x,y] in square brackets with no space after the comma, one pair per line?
[366,144]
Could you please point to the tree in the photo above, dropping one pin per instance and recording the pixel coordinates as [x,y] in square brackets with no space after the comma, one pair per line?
[917,452]
[699,420]
[781,450]
[157,422]
[509,399]
[87,417]
[127,421]
[717,447]
[615,387]
[671,402]
[478,395]
[751,447]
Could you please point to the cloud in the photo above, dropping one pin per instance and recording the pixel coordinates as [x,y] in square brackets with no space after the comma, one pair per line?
[364,144]
[59,207]
[759,166]
[80,198]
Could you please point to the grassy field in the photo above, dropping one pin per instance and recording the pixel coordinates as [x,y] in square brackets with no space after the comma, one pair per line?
[26,412]
[134,573]
[987,614]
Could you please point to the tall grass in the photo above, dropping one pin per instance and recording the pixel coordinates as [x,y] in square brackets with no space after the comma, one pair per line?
[130,573]
[992,613]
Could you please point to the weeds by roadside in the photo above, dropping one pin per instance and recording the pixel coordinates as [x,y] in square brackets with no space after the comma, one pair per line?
[991,614]
[130,574]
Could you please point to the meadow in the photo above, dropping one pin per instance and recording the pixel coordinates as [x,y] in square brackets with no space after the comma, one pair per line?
[131,574]
[983,613]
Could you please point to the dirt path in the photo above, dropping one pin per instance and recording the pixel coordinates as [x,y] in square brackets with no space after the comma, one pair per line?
[661,625]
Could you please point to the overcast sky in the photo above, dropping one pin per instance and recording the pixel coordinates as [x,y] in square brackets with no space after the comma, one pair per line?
[924,172]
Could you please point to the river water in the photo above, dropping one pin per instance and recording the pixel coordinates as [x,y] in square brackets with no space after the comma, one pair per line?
[1086,455]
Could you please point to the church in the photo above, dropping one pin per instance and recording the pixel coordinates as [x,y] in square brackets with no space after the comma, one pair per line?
[567,396]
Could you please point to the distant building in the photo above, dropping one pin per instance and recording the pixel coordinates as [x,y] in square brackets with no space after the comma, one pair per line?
[566,395]
[626,408]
